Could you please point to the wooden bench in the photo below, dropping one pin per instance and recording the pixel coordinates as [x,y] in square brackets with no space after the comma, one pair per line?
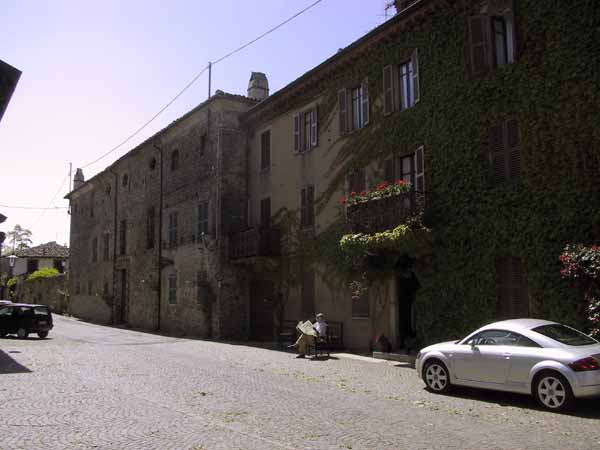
[287,332]
[333,340]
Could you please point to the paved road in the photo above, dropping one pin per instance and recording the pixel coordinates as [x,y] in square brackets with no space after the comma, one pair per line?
[93,387]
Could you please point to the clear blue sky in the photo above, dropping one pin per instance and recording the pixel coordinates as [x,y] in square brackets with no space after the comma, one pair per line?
[94,72]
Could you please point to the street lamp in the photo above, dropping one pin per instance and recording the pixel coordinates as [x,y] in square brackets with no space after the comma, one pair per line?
[12,259]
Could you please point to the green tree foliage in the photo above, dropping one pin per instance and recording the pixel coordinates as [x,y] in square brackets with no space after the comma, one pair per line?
[46,272]
[19,238]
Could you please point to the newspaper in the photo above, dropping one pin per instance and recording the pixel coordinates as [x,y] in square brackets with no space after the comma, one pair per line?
[306,328]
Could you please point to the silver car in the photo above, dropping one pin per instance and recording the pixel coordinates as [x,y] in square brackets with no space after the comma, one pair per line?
[553,362]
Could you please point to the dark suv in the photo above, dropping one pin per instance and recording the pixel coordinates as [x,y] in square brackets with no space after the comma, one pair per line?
[22,319]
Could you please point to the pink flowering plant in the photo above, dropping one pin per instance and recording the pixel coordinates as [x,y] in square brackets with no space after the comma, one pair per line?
[382,190]
[582,264]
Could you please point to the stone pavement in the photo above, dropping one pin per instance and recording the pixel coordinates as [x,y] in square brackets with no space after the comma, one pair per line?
[93,387]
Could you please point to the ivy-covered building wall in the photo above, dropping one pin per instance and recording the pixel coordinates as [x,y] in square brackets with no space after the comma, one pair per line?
[510,143]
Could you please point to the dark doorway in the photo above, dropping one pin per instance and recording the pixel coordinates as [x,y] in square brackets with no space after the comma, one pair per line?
[123,297]
[262,307]
[407,294]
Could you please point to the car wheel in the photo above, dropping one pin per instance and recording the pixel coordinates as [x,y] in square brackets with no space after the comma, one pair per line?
[3,334]
[22,333]
[436,376]
[42,334]
[553,391]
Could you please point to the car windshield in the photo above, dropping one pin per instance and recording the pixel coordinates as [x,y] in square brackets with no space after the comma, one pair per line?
[565,335]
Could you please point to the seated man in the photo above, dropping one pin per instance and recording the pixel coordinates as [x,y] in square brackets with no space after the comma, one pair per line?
[320,329]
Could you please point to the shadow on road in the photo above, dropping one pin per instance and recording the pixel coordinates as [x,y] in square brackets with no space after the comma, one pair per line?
[584,408]
[9,365]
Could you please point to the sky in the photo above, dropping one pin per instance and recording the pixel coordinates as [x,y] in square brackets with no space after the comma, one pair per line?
[95,72]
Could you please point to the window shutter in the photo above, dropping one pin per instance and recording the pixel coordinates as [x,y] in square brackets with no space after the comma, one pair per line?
[388,90]
[388,170]
[310,205]
[415,63]
[497,153]
[343,113]
[513,150]
[296,133]
[365,101]
[420,170]
[313,128]
[303,209]
[480,44]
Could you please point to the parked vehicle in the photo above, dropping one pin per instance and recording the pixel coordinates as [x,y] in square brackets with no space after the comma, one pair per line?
[553,362]
[5,302]
[22,319]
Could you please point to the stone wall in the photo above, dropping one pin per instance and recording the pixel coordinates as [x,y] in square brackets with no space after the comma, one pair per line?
[46,291]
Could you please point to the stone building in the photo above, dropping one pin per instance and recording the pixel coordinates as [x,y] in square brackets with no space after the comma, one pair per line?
[484,110]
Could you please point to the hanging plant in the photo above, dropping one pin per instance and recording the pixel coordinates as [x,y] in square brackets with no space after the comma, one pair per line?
[582,264]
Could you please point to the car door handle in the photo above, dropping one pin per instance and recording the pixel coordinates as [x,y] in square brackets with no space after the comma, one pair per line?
[507,355]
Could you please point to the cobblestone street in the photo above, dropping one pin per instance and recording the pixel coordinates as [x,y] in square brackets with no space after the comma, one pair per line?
[93,387]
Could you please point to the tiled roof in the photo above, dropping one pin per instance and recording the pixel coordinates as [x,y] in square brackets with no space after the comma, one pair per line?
[48,250]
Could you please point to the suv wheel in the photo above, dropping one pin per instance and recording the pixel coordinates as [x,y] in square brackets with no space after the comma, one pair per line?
[42,334]
[22,333]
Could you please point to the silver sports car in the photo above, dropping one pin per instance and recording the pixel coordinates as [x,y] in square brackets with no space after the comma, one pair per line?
[553,362]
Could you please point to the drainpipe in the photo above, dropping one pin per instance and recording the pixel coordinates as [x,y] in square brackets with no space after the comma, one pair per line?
[115,235]
[160,233]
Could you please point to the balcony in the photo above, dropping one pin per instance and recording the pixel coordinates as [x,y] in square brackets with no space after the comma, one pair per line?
[255,242]
[385,213]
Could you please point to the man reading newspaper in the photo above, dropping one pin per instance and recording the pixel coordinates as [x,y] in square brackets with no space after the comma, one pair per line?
[308,333]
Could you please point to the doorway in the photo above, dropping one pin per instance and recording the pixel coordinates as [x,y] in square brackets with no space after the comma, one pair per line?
[262,309]
[407,287]
[123,297]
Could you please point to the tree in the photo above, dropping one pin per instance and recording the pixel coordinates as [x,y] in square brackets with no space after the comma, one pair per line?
[19,238]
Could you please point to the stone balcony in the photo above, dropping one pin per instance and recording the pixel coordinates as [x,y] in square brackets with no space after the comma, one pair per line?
[384,214]
[255,242]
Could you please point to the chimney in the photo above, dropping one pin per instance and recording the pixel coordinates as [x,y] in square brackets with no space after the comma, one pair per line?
[258,86]
[78,180]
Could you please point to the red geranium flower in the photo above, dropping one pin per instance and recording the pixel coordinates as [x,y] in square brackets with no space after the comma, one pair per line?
[363,193]
[352,194]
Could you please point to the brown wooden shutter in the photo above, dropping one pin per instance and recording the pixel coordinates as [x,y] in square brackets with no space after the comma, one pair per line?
[480,50]
[415,63]
[313,128]
[296,132]
[343,110]
[497,153]
[513,150]
[420,170]
[365,101]
[388,90]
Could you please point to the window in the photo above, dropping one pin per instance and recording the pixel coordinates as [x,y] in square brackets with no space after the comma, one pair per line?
[152,164]
[307,207]
[92,202]
[173,229]
[353,107]
[202,219]
[265,212]
[175,160]
[305,131]
[501,337]
[77,287]
[511,288]
[203,292]
[410,168]
[308,294]
[58,265]
[105,292]
[125,180]
[202,144]
[32,265]
[491,37]
[95,249]
[90,287]
[265,150]
[504,153]
[565,335]
[123,238]
[401,85]
[106,247]
[173,288]
[360,306]
[357,181]
[150,228]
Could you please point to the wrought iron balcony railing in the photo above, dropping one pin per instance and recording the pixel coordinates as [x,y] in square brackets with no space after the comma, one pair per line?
[255,242]
[385,213]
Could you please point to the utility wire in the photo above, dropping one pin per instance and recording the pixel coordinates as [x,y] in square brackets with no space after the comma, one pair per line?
[267,32]
[50,202]
[33,207]
[136,132]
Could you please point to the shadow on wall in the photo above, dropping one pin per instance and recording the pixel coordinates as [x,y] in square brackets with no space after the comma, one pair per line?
[9,365]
